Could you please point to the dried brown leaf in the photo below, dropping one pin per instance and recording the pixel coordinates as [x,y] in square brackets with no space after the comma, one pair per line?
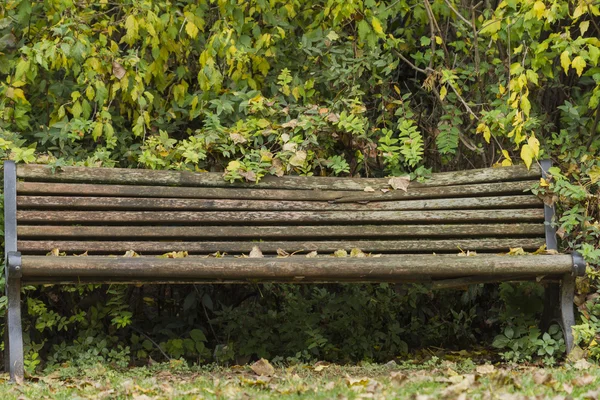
[263,367]
[312,254]
[399,182]
[118,70]
[255,253]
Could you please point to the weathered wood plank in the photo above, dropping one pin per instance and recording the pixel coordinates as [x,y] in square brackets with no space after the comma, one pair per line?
[384,268]
[403,246]
[270,232]
[291,217]
[127,203]
[102,190]
[183,178]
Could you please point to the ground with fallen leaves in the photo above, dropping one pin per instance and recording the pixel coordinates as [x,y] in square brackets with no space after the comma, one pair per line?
[433,379]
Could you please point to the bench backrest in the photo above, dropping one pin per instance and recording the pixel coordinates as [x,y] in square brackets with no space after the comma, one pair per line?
[111,211]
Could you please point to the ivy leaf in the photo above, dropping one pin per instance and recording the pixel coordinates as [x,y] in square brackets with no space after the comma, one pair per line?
[579,64]
[565,61]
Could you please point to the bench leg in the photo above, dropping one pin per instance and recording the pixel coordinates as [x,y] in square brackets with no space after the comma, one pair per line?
[551,298]
[14,347]
[567,316]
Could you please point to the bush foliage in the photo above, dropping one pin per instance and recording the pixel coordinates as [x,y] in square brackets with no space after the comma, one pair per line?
[330,87]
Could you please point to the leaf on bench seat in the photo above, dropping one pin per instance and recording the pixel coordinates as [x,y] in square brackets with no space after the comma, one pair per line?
[255,253]
[130,253]
[175,254]
[56,253]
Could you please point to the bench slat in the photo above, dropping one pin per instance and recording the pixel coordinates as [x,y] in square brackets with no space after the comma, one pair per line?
[116,247]
[125,203]
[269,232]
[384,268]
[84,189]
[266,217]
[177,178]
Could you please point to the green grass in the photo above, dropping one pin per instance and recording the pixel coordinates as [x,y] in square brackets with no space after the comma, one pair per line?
[432,379]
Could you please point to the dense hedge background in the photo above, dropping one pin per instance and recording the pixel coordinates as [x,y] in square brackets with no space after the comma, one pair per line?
[336,87]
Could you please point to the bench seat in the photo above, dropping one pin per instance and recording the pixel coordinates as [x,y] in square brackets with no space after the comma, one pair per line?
[448,229]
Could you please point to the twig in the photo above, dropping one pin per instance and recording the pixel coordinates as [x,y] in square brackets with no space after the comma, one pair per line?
[463,101]
[466,21]
[151,341]
[413,66]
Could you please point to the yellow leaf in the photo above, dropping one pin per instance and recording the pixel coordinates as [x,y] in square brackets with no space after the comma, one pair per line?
[377,26]
[534,144]
[583,27]
[565,61]
[233,165]
[485,130]
[579,64]
[191,29]
[539,8]
[527,155]
[525,105]
[443,92]
[438,40]
[544,183]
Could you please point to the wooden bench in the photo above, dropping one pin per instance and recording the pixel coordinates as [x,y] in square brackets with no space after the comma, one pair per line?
[418,233]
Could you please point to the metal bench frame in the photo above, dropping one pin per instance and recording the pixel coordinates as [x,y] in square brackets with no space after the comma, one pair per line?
[562,293]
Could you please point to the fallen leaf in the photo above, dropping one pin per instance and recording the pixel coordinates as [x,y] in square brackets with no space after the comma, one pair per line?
[329,386]
[282,253]
[583,380]
[340,253]
[541,377]
[357,253]
[118,70]
[485,369]
[312,254]
[567,388]
[263,367]
[582,364]
[130,253]
[399,182]
[255,253]
[369,189]
[398,377]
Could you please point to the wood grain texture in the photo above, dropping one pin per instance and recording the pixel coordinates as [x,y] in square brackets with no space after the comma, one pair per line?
[270,232]
[403,246]
[102,190]
[33,172]
[291,217]
[333,269]
[127,203]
